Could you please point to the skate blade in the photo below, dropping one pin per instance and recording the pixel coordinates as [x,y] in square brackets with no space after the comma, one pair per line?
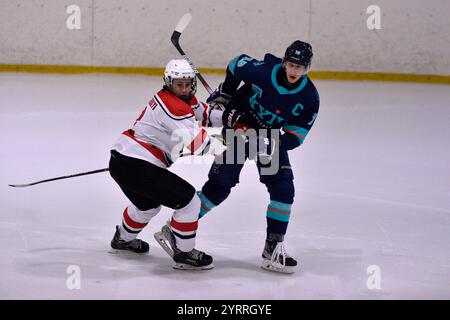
[183,266]
[162,241]
[125,252]
[267,265]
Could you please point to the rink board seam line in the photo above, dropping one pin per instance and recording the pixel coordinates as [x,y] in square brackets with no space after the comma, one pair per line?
[322,75]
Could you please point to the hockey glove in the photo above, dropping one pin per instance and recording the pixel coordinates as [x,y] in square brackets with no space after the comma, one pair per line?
[219,97]
[199,110]
[233,119]
[215,113]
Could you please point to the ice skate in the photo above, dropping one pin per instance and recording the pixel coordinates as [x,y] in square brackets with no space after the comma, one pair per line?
[275,258]
[119,245]
[192,260]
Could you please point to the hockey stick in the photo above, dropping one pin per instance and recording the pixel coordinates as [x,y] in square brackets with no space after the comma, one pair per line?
[58,178]
[70,176]
[181,25]
[79,174]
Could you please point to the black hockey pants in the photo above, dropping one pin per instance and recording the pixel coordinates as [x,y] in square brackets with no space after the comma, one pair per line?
[147,186]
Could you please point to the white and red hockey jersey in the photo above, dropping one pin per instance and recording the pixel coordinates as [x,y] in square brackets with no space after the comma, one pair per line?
[164,128]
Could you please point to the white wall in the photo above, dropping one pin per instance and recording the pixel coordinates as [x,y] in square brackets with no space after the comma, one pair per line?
[414,35]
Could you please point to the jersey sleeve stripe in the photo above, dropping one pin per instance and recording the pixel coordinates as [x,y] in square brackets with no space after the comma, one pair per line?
[299,132]
[142,114]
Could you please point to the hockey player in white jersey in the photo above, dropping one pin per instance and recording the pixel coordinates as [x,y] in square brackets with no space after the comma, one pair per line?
[139,162]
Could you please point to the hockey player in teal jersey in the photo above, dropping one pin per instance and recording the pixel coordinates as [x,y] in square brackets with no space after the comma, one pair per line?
[276,94]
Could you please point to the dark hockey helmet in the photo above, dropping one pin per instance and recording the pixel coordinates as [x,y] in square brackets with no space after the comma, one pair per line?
[299,52]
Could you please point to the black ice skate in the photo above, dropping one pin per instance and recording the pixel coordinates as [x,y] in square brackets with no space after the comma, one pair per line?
[275,258]
[136,245]
[192,260]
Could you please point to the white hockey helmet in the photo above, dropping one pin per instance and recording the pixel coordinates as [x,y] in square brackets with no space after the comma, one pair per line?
[179,69]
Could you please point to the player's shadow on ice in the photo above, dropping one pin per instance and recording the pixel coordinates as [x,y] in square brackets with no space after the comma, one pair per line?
[223,268]
[97,263]
[345,263]
[342,263]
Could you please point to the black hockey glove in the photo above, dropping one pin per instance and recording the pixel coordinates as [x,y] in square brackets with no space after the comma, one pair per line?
[233,119]
[219,97]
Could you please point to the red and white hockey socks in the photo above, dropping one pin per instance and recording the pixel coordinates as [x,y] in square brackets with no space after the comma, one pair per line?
[184,225]
[134,220]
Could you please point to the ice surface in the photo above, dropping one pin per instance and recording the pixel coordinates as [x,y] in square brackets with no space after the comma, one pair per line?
[372,188]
